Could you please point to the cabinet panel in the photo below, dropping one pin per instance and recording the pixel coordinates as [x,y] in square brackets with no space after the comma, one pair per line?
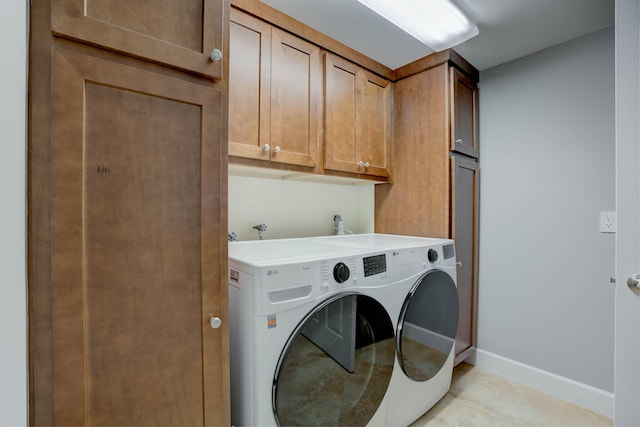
[374,127]
[418,201]
[136,206]
[340,104]
[464,121]
[249,86]
[178,33]
[465,204]
[357,119]
[295,95]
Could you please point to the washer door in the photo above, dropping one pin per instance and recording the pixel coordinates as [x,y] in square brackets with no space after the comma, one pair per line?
[337,364]
[427,325]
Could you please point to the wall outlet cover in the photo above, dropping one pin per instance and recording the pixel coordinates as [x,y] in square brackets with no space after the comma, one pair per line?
[608,222]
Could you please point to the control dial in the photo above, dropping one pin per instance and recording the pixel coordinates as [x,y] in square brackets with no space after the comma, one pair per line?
[341,272]
[432,255]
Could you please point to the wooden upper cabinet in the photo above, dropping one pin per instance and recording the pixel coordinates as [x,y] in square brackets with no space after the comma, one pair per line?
[177,33]
[357,126]
[249,86]
[374,128]
[464,114]
[296,85]
[340,122]
[274,94]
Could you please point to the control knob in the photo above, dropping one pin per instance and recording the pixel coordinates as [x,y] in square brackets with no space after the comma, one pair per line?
[341,272]
[432,255]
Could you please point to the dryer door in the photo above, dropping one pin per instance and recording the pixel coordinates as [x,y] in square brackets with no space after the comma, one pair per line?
[336,366]
[427,325]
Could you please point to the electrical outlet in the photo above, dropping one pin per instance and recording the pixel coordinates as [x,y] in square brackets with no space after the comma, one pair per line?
[608,223]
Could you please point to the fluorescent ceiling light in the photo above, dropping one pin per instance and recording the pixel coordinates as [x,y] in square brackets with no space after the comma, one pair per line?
[437,23]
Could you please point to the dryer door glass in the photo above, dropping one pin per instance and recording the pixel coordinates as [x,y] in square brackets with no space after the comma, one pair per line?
[336,366]
[427,326]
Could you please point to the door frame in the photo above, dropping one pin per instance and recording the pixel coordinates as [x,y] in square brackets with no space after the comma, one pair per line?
[627,315]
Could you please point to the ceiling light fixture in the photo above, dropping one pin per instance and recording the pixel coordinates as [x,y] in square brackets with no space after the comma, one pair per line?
[437,23]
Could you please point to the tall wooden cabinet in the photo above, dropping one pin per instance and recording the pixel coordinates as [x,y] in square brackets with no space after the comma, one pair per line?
[127,218]
[435,180]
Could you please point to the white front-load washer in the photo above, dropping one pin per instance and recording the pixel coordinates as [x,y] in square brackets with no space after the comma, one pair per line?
[345,330]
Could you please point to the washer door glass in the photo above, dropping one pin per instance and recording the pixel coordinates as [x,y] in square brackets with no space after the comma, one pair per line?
[427,326]
[336,366]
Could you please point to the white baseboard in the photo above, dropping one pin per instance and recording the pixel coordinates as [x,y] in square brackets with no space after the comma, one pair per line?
[427,337]
[583,395]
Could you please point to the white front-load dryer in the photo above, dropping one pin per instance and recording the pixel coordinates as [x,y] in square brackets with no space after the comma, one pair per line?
[344,330]
[424,305]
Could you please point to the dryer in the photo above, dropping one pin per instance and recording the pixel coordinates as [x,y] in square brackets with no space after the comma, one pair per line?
[344,330]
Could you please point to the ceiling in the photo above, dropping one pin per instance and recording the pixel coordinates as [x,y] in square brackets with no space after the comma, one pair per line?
[509,29]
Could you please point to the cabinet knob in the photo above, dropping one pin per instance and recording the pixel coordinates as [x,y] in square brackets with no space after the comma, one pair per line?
[458,141]
[215,322]
[276,149]
[266,147]
[459,264]
[216,55]
[364,164]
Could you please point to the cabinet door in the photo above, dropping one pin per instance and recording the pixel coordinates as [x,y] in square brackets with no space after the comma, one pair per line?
[178,33]
[464,120]
[341,102]
[465,201]
[295,94]
[357,131]
[249,80]
[138,251]
[374,125]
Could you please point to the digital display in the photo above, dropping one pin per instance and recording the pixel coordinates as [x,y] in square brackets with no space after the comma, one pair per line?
[448,251]
[374,264]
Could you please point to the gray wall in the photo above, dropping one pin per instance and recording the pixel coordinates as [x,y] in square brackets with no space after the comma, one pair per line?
[13,304]
[547,170]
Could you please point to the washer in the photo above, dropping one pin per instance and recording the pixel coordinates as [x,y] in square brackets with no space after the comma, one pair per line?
[341,330]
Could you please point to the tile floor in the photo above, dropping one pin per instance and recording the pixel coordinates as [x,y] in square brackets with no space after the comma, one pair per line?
[478,398]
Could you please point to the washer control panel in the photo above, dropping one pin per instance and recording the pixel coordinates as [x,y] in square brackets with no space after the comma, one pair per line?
[335,274]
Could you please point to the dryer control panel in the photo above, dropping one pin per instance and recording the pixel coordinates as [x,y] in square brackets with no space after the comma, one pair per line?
[374,264]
